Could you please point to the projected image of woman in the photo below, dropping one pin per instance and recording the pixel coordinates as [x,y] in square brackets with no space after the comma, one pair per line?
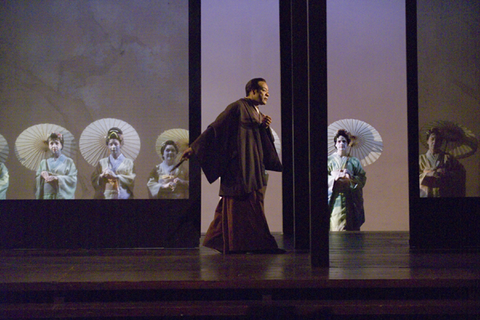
[441,175]
[56,176]
[114,176]
[4,181]
[164,183]
[346,179]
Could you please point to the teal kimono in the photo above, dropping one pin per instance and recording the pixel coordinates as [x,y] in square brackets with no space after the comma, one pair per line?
[65,185]
[346,200]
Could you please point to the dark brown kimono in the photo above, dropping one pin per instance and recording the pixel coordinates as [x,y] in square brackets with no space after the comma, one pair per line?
[238,149]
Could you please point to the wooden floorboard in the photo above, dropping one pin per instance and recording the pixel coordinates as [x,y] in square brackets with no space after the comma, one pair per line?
[359,256]
[370,273]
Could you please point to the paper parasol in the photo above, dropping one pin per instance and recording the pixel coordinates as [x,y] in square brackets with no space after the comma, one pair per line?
[31,145]
[460,141]
[277,143]
[93,144]
[366,144]
[179,136]
[3,149]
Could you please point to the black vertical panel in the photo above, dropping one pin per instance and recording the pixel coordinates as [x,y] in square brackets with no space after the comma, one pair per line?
[195,106]
[287,116]
[412,116]
[304,125]
[300,125]
[319,213]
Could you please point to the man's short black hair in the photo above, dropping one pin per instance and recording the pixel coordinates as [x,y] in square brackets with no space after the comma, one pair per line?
[253,85]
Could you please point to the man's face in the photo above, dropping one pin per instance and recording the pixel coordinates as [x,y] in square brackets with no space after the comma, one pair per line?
[261,95]
[434,143]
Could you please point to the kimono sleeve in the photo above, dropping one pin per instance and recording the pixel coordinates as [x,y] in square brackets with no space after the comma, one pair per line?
[39,181]
[67,182]
[153,184]
[218,143]
[270,155]
[98,183]
[359,176]
[126,174]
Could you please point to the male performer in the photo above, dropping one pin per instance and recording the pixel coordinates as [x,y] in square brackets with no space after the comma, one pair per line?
[237,148]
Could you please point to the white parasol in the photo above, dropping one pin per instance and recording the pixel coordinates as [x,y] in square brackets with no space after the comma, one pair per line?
[179,136]
[3,149]
[31,145]
[460,142]
[366,143]
[93,140]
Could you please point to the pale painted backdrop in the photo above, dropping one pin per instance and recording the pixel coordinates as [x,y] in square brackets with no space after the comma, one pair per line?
[367,80]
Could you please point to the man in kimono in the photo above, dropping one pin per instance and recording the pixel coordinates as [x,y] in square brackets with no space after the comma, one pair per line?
[237,148]
[441,175]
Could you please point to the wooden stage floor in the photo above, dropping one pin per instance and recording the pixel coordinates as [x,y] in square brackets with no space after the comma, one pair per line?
[371,275]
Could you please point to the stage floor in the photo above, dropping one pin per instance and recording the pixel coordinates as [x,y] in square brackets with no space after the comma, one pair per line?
[364,266]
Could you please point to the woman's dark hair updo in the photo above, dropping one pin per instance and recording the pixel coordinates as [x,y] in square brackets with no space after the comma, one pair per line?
[114,133]
[343,133]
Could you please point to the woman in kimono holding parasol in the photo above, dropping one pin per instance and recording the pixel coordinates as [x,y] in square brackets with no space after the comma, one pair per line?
[346,179]
[441,174]
[114,176]
[56,177]
[167,180]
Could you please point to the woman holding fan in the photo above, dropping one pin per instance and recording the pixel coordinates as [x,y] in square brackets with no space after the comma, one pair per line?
[56,176]
[167,181]
[114,176]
